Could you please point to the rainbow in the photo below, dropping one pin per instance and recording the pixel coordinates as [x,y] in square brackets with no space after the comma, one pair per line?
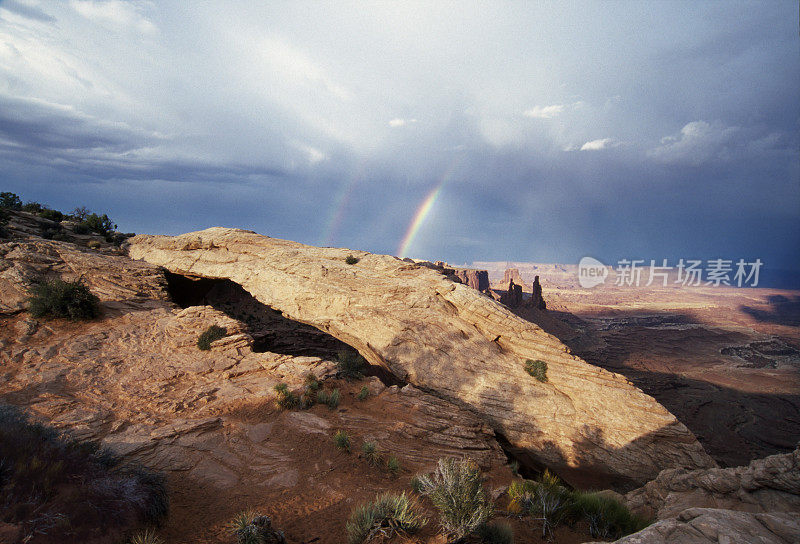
[341,203]
[425,209]
[419,217]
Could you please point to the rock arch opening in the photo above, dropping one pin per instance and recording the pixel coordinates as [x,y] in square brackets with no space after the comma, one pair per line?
[270,329]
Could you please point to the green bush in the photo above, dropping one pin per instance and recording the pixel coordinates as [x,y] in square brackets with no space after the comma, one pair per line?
[456,490]
[33,207]
[52,215]
[310,381]
[498,532]
[342,440]
[350,365]
[351,260]
[393,465]
[537,369]
[211,334]
[285,399]
[549,501]
[388,514]
[608,519]
[333,399]
[10,200]
[58,298]
[363,394]
[372,453]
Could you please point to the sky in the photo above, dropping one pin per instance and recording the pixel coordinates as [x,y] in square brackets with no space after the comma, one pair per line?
[521,131]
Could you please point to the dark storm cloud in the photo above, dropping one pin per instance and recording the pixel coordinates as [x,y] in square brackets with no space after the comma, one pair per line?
[618,130]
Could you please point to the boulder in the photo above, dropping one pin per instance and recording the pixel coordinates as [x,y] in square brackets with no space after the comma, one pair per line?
[592,426]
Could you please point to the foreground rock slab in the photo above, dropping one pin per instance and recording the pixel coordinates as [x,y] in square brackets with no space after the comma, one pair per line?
[591,425]
[771,484]
[710,525]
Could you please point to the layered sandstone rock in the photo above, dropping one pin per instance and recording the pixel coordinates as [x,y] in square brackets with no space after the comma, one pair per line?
[591,425]
[771,484]
[715,526]
[136,380]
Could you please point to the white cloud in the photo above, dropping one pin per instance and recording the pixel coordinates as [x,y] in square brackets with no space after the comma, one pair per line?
[545,112]
[596,145]
[313,154]
[397,122]
[697,142]
[114,14]
[293,63]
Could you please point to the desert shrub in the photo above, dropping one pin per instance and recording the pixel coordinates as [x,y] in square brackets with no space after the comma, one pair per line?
[148,536]
[549,502]
[416,484]
[310,381]
[10,200]
[372,453]
[537,369]
[363,394]
[81,228]
[342,440]
[393,465]
[333,399]
[498,532]
[250,527]
[94,244]
[387,514]
[33,207]
[54,233]
[456,490]
[59,298]
[350,365]
[285,399]
[351,260]
[514,467]
[211,334]
[52,215]
[607,518]
[323,396]
[69,488]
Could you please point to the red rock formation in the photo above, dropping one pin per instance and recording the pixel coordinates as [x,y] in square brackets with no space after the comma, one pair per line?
[512,274]
[536,300]
[477,279]
[513,295]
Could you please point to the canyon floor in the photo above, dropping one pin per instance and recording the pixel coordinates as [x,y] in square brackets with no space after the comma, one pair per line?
[724,360]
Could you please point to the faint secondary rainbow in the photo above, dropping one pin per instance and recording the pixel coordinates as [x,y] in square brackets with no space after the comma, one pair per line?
[341,203]
[423,211]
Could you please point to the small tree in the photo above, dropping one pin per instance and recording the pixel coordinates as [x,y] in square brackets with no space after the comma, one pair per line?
[10,200]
